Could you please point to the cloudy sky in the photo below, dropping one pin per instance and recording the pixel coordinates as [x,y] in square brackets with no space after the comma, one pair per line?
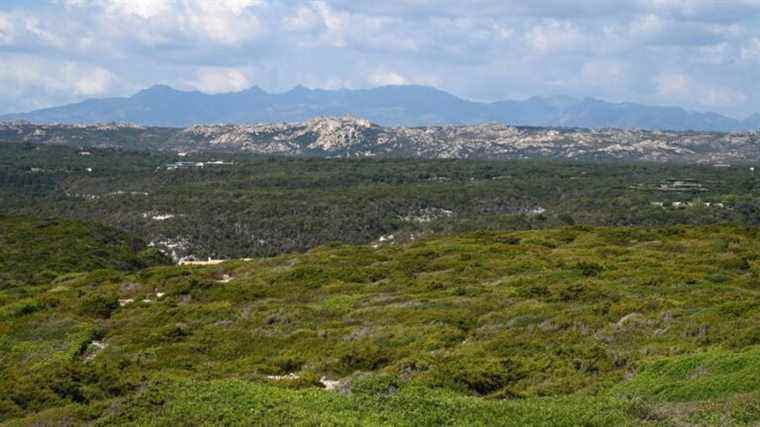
[700,54]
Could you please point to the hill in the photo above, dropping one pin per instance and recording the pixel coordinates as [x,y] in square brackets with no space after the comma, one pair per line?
[571,326]
[350,137]
[388,105]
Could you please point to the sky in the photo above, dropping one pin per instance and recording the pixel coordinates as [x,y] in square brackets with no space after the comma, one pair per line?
[700,54]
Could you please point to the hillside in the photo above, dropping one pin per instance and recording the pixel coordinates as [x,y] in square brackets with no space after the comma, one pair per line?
[388,105]
[35,251]
[571,326]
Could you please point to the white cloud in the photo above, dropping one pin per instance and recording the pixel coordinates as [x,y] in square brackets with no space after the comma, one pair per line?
[384,78]
[96,81]
[304,19]
[715,54]
[318,24]
[165,22]
[334,25]
[607,74]
[680,88]
[751,50]
[553,35]
[43,34]
[217,80]
[647,26]
[722,97]
[673,85]
[225,21]
[6,31]
[684,7]
[57,77]
[34,82]
[145,9]
[702,10]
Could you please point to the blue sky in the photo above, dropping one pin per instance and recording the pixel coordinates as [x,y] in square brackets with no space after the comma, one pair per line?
[700,54]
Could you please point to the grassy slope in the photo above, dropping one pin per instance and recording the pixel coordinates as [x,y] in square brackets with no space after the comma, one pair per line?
[572,326]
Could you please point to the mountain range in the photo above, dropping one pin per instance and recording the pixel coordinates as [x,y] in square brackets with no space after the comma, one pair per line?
[407,105]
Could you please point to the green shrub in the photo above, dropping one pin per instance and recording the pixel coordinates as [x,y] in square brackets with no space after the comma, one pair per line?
[21,308]
[589,269]
[362,356]
[745,339]
[478,376]
[99,305]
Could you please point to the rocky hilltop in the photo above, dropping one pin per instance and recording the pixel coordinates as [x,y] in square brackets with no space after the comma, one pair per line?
[354,137]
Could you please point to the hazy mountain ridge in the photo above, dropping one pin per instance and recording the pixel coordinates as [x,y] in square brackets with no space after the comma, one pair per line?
[388,106]
[353,137]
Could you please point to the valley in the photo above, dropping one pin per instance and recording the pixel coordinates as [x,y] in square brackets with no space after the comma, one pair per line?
[241,205]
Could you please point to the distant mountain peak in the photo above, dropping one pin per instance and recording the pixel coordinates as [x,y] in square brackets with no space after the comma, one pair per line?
[157,92]
[299,89]
[254,90]
[157,89]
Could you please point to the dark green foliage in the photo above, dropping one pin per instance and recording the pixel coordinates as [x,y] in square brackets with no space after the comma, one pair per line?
[362,357]
[481,376]
[267,206]
[589,269]
[746,339]
[99,305]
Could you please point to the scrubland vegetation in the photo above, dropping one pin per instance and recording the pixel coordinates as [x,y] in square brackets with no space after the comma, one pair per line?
[571,325]
[268,206]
